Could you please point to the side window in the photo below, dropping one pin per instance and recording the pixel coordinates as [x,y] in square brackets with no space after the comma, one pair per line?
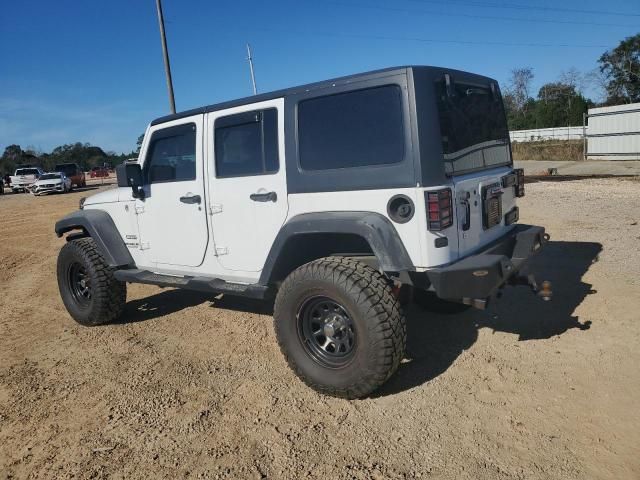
[247,143]
[352,129]
[172,155]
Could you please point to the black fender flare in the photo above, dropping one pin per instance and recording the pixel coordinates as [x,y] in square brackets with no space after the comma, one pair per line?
[374,228]
[98,225]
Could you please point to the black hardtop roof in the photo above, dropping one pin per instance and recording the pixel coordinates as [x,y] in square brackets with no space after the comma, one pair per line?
[312,86]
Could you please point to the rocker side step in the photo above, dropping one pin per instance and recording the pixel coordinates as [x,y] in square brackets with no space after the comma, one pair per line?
[201,284]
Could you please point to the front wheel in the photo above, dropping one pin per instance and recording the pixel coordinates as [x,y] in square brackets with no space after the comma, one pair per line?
[88,289]
[340,327]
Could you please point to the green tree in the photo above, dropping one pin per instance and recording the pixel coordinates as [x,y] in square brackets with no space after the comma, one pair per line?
[621,69]
[139,143]
[560,105]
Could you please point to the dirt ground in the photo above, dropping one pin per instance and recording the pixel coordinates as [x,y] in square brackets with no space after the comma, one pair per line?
[193,386]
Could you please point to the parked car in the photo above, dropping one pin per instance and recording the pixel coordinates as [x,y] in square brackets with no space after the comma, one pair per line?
[97,172]
[51,183]
[25,177]
[74,172]
[329,199]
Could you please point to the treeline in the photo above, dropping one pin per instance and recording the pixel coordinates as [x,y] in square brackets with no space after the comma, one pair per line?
[557,104]
[562,103]
[84,154]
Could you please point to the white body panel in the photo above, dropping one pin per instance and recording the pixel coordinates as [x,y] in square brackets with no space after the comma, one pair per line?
[245,229]
[472,239]
[411,233]
[174,233]
[120,206]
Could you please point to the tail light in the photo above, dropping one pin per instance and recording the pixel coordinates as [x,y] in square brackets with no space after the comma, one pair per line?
[439,209]
[520,182]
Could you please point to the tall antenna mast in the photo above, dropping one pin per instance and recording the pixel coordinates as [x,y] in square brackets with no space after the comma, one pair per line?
[165,54]
[253,77]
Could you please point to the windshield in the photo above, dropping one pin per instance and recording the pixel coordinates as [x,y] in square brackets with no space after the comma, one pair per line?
[68,168]
[473,126]
[50,176]
[27,171]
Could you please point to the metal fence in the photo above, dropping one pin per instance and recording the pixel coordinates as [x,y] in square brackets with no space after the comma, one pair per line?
[613,133]
[608,133]
[558,133]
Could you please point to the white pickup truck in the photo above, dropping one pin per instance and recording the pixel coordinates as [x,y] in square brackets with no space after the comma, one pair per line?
[25,177]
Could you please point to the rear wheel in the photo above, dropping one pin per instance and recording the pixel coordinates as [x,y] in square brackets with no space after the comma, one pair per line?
[88,289]
[340,327]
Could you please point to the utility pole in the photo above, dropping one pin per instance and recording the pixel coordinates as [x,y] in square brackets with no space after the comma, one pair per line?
[253,77]
[165,54]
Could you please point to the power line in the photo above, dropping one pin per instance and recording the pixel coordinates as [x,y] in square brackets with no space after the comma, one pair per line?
[474,16]
[520,6]
[426,40]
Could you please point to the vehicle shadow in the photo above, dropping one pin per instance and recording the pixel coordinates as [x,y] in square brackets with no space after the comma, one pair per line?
[434,341]
[160,304]
[241,304]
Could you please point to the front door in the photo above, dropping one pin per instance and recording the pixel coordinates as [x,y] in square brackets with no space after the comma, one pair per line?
[248,194]
[172,216]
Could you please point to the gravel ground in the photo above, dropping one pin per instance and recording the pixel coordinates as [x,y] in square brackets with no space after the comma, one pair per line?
[190,386]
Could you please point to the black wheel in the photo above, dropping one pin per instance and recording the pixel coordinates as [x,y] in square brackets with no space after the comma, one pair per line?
[88,289]
[340,327]
[429,301]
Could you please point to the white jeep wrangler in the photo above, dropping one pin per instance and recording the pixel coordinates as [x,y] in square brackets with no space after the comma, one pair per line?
[331,198]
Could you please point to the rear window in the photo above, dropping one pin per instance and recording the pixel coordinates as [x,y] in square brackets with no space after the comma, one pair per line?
[247,143]
[27,171]
[473,126]
[50,176]
[68,169]
[354,129]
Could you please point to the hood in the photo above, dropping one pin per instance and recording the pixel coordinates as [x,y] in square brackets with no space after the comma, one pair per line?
[109,196]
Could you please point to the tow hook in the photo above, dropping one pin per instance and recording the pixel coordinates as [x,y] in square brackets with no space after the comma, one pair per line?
[543,291]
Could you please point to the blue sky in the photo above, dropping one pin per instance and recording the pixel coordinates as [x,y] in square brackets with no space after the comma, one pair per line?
[92,71]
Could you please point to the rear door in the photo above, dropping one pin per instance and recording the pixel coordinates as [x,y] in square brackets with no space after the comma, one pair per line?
[247,182]
[477,155]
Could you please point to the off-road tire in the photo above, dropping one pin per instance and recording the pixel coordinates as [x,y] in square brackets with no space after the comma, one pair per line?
[432,303]
[376,315]
[107,295]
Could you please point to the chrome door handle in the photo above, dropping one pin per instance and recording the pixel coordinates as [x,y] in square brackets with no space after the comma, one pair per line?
[264,197]
[189,198]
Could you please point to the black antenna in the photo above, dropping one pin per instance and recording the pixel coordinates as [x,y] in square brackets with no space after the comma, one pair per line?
[165,54]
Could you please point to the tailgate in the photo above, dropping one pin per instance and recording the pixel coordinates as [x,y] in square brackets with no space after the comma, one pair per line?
[482,205]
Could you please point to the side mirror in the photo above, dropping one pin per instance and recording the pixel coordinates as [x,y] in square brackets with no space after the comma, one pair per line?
[130,175]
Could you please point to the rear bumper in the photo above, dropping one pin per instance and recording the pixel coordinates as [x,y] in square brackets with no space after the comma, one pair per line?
[479,276]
